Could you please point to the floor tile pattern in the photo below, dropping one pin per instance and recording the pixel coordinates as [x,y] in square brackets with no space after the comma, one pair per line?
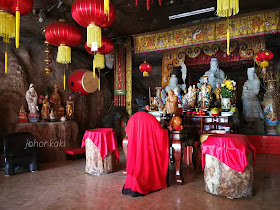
[65,185]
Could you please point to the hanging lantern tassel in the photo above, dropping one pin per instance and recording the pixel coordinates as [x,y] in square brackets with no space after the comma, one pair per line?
[63,54]
[228,41]
[98,62]
[17,25]
[99,79]
[64,80]
[6,62]
[93,68]
[106,7]
[227,8]
[93,37]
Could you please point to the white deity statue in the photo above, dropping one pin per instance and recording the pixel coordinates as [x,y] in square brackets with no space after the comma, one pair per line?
[184,72]
[173,83]
[31,99]
[251,104]
[252,110]
[215,75]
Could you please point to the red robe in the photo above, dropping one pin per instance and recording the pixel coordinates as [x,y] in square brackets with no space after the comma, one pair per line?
[147,155]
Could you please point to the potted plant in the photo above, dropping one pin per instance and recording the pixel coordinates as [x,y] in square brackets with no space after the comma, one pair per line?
[227,91]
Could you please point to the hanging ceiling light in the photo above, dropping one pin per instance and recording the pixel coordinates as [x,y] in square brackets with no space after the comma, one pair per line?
[196,12]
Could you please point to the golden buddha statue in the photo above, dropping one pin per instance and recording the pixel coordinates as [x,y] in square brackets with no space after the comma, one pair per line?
[218,92]
[70,108]
[45,108]
[171,105]
[56,99]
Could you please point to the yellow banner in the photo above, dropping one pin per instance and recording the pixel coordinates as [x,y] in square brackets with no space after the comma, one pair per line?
[245,26]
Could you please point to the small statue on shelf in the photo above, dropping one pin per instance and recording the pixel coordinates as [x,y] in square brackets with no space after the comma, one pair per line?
[177,93]
[204,98]
[52,117]
[171,105]
[22,115]
[45,108]
[57,108]
[191,96]
[70,108]
[218,95]
[31,99]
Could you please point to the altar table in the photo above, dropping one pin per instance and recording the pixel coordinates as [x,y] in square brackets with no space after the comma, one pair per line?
[181,141]
[52,138]
[102,152]
[209,122]
[228,160]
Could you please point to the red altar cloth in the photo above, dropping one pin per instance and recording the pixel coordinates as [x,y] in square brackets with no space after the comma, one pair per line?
[147,155]
[104,139]
[231,149]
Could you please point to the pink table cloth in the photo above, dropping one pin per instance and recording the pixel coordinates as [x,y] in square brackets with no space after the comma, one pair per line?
[231,149]
[104,139]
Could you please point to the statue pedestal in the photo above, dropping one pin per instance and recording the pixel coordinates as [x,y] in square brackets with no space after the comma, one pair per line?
[52,138]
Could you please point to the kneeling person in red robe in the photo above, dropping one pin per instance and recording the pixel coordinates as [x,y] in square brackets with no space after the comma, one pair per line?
[147,153]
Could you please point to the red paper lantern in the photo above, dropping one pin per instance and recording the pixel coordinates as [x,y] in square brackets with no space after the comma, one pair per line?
[20,7]
[145,68]
[264,56]
[6,4]
[90,14]
[63,35]
[24,6]
[107,46]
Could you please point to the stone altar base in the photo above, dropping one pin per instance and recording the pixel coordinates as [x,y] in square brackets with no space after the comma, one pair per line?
[225,181]
[95,165]
[52,138]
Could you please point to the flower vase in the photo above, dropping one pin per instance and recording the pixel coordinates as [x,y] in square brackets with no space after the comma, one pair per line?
[226,104]
[270,108]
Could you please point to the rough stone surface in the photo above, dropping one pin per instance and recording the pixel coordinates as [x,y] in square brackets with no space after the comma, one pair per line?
[52,138]
[26,65]
[225,181]
[95,165]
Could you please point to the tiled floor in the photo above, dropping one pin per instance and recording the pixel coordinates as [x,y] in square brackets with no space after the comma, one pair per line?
[65,185]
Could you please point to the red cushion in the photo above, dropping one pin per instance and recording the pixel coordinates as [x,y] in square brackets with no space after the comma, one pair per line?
[75,151]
